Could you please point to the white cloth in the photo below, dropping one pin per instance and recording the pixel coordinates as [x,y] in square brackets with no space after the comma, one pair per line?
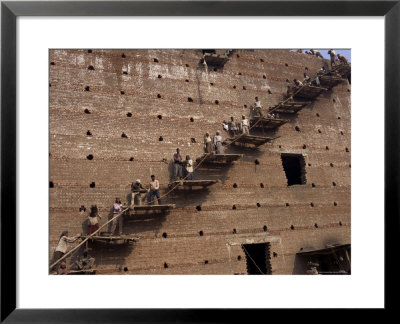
[257,104]
[245,122]
[62,244]
[154,185]
[189,165]
[93,220]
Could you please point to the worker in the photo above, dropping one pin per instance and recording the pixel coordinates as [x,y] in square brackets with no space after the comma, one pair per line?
[316,53]
[312,268]
[233,130]
[93,219]
[208,143]
[257,108]
[62,269]
[299,51]
[297,82]
[137,189]
[154,190]
[245,125]
[177,165]
[218,143]
[342,59]
[116,209]
[332,53]
[189,168]
[306,79]
[62,245]
[84,263]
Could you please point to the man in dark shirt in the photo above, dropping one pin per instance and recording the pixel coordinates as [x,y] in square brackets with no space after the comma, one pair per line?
[177,165]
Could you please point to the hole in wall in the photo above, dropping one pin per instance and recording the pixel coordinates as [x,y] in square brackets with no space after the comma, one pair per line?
[264,76]
[205,261]
[306,68]
[334,100]
[312,204]
[165,265]
[309,164]
[159,76]
[234,231]
[245,106]
[334,203]
[122,92]
[291,227]
[87,88]
[261,185]
[87,111]
[287,204]
[334,184]
[211,83]
[317,114]
[159,117]
[124,72]
[190,99]
[90,157]
[347,150]
[348,90]
[340,223]
[237,55]
[304,146]
[319,131]
[313,185]
[160,139]
[256,162]
[193,140]
[234,87]
[235,185]
[239,258]
[49,84]
[52,63]
[201,233]
[339,117]
[261,60]
[88,133]
[132,159]
[240,73]
[158,96]
[327,148]
[191,119]
[331,164]
[129,114]
[164,235]
[123,135]
[244,88]
[265,228]
[341,133]
[297,128]
[155,60]
[123,55]
[92,185]
[89,51]
[126,269]
[286,64]
[316,225]
[258,205]
[275,255]
[269,91]
[198,208]
[234,207]
[91,68]
[187,65]
[186,80]
[82,208]
[294,167]
[51,184]
[216,102]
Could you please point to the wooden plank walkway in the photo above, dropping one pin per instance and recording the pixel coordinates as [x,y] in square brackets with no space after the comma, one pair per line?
[193,183]
[219,158]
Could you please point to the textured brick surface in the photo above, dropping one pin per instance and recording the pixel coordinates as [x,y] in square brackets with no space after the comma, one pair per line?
[184,251]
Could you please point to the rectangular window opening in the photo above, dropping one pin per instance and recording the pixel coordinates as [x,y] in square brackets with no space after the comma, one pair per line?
[294,166]
[257,258]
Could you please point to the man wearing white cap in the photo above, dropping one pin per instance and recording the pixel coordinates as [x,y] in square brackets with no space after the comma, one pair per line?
[136,189]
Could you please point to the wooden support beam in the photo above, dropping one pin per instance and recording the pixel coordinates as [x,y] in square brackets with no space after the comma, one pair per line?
[218,158]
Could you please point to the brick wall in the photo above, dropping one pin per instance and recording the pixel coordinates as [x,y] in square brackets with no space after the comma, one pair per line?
[153,89]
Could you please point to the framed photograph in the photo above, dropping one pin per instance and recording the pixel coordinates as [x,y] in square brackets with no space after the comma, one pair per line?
[165,155]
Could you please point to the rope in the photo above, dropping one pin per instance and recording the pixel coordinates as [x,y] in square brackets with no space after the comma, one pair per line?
[247,253]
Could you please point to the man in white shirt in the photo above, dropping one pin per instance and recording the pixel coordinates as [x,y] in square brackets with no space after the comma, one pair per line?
[189,168]
[245,125]
[62,245]
[154,190]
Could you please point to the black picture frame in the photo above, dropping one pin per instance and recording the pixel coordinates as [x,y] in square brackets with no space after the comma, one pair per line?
[11,10]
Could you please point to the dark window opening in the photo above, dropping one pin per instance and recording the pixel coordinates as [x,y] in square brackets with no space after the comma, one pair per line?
[51,184]
[211,51]
[159,117]
[234,231]
[264,76]
[198,208]
[257,258]
[265,228]
[187,65]
[294,167]
[193,140]
[258,205]
[123,55]
[158,96]
[122,92]
[261,185]
[123,135]
[261,60]
[269,91]
[155,60]
[205,261]
[89,133]
[216,102]
[126,269]
[201,233]
[190,99]
[160,138]
[256,162]
[159,76]
[124,72]
[234,207]
[52,63]
[91,67]
[191,119]
[87,88]
[165,265]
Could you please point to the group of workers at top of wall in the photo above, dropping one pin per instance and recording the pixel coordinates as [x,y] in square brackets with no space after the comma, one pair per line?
[334,57]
